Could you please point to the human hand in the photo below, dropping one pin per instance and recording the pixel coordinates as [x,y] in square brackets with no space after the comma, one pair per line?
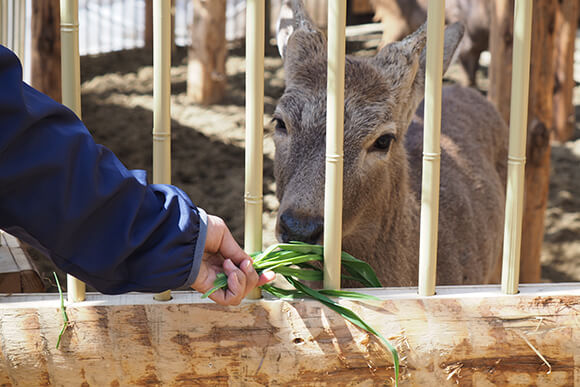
[223,254]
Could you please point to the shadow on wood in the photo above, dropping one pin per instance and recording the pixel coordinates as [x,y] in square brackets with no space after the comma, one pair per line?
[464,335]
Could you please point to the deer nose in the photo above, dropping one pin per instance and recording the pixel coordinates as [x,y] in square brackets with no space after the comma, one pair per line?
[292,227]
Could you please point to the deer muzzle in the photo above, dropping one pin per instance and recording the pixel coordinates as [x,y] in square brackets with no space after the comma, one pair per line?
[292,226]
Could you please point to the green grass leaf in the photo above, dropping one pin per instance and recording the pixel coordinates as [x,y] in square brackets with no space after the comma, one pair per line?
[63,309]
[221,282]
[360,270]
[284,261]
[302,274]
[348,294]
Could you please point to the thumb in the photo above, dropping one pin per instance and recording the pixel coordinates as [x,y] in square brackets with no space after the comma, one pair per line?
[219,239]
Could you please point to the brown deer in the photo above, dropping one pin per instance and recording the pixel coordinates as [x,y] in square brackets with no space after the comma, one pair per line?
[383,139]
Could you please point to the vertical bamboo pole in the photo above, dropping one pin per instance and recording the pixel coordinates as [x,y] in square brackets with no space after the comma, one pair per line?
[431,149]
[162,100]
[517,146]
[21,6]
[4,22]
[10,24]
[334,144]
[71,93]
[14,27]
[253,196]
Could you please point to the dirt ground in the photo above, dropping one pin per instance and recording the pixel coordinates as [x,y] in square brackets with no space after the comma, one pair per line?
[208,143]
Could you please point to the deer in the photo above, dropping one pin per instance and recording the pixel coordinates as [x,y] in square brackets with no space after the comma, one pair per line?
[383,141]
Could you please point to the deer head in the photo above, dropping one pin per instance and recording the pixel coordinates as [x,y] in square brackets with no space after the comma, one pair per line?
[381,96]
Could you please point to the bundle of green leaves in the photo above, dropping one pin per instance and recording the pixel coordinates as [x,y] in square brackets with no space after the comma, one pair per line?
[294,261]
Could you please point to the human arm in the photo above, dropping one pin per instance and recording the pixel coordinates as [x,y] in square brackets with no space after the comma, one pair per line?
[75,201]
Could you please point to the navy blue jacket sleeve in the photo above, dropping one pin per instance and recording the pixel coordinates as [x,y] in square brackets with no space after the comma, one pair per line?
[74,200]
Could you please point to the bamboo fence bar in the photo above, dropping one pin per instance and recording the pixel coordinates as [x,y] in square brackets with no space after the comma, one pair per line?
[71,93]
[19,12]
[8,6]
[334,144]
[253,195]
[4,22]
[431,149]
[12,25]
[162,100]
[517,146]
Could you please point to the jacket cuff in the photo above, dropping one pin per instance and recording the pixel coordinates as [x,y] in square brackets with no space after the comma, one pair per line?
[199,248]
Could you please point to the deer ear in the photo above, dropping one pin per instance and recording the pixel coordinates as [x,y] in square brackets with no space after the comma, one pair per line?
[400,61]
[297,35]
[453,35]
[406,59]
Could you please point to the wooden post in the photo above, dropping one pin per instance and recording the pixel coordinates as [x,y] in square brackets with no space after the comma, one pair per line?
[540,117]
[565,24]
[501,49]
[148,23]
[206,79]
[45,53]
[359,7]
[267,25]
[540,124]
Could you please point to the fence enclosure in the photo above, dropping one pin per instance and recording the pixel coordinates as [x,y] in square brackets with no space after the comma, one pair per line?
[463,334]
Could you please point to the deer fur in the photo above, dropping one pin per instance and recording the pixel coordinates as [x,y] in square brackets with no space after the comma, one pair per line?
[382,188]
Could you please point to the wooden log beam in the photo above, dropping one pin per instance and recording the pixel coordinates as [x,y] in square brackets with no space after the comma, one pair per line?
[464,335]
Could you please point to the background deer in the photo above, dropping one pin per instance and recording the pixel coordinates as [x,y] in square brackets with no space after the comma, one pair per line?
[401,17]
[383,139]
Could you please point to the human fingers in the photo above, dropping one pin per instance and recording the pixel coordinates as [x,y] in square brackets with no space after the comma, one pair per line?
[266,277]
[251,276]
[236,289]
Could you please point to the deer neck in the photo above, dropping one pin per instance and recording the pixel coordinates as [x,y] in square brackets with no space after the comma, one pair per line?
[391,245]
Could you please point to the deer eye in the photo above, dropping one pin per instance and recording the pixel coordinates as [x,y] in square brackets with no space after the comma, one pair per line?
[383,143]
[280,126]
